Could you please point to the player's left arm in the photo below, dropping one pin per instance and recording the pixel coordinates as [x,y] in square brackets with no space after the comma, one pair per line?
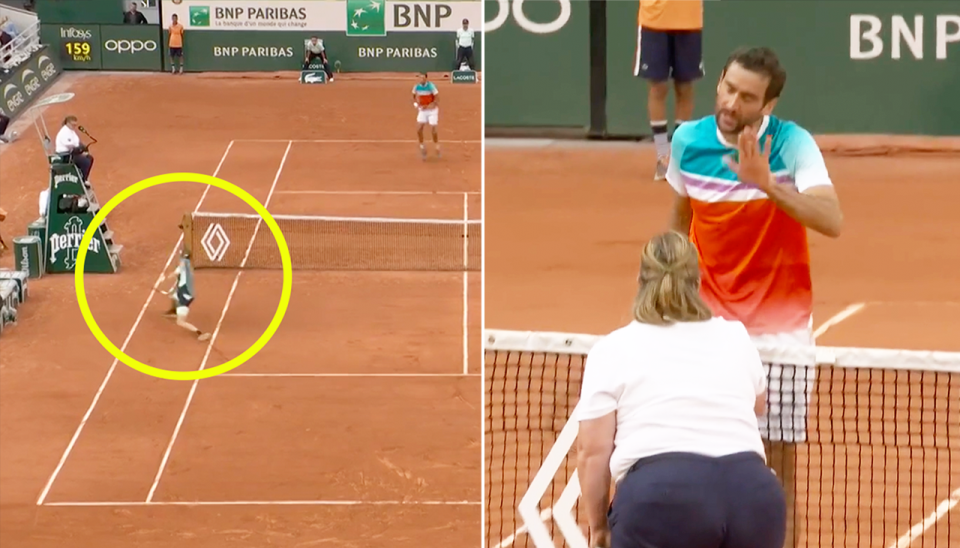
[817,208]
[812,200]
[436,95]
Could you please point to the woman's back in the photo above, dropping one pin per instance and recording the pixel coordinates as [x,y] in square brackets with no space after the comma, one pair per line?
[687,387]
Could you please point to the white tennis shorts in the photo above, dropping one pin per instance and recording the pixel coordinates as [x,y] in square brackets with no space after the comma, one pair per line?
[428,116]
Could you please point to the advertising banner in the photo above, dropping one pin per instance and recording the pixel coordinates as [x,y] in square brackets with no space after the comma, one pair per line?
[227,50]
[874,67]
[75,46]
[131,47]
[27,83]
[106,47]
[352,17]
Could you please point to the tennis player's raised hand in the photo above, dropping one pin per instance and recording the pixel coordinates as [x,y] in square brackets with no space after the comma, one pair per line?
[754,165]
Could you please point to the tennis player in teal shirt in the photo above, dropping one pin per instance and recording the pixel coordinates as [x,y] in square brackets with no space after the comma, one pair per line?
[427,100]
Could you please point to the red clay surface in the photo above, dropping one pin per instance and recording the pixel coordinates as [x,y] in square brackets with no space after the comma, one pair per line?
[564,229]
[389,445]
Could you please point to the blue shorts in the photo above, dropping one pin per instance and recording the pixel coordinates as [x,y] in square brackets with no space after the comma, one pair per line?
[669,54]
[183,298]
[682,500]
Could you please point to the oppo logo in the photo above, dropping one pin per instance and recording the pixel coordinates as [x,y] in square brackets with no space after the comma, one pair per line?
[130,46]
[504,9]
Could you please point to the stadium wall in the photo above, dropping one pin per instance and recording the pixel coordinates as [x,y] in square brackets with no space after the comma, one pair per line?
[855,66]
[269,35]
[81,11]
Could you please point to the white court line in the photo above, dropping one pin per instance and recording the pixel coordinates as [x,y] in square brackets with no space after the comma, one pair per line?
[483,308]
[271,503]
[216,331]
[466,285]
[380,192]
[921,527]
[837,318]
[349,375]
[355,141]
[123,347]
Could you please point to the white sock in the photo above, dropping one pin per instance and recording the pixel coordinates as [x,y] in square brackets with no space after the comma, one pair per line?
[660,138]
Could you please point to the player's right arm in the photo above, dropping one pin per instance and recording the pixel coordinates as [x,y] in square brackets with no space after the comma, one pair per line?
[164,279]
[682,214]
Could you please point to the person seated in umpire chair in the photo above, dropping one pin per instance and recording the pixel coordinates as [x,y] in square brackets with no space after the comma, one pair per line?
[69,146]
[314,50]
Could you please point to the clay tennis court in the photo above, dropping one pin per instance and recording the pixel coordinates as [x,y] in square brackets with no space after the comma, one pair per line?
[357,425]
[565,224]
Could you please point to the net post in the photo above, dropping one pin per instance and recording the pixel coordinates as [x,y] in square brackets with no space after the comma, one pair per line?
[186,224]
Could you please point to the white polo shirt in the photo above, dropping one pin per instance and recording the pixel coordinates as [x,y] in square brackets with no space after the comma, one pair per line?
[465,38]
[690,387]
[67,139]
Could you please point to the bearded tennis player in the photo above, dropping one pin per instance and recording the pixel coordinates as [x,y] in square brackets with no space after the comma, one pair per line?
[748,186]
[426,98]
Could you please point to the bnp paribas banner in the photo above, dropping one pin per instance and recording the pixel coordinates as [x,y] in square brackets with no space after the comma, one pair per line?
[359,35]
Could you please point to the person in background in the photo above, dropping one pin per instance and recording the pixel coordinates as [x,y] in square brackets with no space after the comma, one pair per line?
[4,124]
[68,142]
[3,244]
[669,47]
[133,16]
[176,44]
[464,45]
[7,26]
[669,411]
[314,49]
[5,38]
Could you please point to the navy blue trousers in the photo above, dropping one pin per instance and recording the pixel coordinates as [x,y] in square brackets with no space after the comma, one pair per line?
[682,500]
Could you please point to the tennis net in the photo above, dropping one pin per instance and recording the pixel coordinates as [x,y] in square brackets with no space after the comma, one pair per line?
[880,467]
[221,240]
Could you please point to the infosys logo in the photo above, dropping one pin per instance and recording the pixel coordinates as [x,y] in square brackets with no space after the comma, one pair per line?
[13,97]
[30,82]
[129,46]
[47,69]
[75,33]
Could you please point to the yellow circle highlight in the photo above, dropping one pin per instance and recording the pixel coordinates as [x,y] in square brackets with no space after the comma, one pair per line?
[202,373]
